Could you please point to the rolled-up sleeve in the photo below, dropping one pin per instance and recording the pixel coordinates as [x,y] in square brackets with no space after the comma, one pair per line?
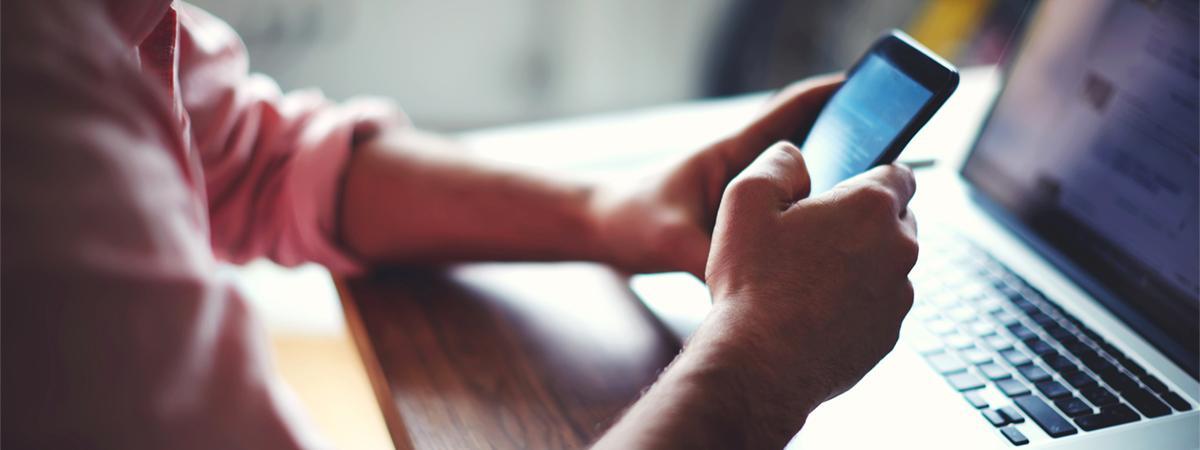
[273,162]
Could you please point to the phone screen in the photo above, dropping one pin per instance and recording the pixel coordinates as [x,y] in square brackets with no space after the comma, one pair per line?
[861,121]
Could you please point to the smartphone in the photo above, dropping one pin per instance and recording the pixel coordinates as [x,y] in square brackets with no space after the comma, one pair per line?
[888,95]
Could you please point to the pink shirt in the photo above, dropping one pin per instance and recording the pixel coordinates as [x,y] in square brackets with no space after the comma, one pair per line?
[137,154]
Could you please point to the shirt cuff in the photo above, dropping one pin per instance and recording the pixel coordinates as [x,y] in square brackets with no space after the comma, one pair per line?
[317,177]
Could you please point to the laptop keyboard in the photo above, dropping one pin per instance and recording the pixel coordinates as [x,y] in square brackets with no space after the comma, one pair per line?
[984,329]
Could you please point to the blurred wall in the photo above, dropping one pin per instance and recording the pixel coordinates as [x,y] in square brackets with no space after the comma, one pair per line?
[459,64]
[456,64]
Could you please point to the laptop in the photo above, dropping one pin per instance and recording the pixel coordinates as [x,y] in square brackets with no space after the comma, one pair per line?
[1059,281]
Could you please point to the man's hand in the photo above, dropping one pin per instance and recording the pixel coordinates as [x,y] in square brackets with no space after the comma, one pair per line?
[816,286]
[666,223]
[808,295]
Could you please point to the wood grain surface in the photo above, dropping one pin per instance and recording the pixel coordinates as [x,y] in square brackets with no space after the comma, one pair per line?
[504,355]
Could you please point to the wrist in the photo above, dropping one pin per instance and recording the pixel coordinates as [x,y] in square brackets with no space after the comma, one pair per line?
[772,395]
[604,232]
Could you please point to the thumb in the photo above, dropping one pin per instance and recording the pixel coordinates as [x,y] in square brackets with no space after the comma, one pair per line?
[789,115]
[775,180]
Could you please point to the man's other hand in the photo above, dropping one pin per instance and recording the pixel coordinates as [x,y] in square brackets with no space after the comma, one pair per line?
[666,223]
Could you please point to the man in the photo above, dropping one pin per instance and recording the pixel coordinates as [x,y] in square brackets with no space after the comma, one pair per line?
[137,153]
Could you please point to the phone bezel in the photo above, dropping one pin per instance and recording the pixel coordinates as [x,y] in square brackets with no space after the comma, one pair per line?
[921,65]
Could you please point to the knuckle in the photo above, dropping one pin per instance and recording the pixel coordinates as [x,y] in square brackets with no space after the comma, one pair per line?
[902,173]
[909,178]
[874,198]
[910,251]
[752,186]
[907,296]
[789,150]
[897,177]
[672,235]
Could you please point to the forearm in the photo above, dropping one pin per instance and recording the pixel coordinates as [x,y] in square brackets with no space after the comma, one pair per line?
[410,197]
[719,393]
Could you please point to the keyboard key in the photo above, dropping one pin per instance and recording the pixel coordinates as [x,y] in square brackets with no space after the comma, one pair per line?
[1011,414]
[1023,305]
[1059,363]
[1011,387]
[981,328]
[1015,357]
[993,417]
[1053,389]
[975,399]
[1057,331]
[1176,401]
[961,313]
[1026,306]
[1033,373]
[1041,318]
[958,340]
[1074,345]
[1104,345]
[993,306]
[997,342]
[1099,396]
[1038,346]
[1079,379]
[1119,381]
[1073,407]
[1154,383]
[1130,365]
[1014,436]
[940,326]
[1095,362]
[1020,331]
[1146,402]
[993,371]
[975,355]
[922,341]
[1004,317]
[1034,295]
[1108,417]
[964,381]
[945,363]
[1045,416]
[1083,351]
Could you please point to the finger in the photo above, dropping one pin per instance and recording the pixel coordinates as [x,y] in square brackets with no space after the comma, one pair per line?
[695,255]
[896,178]
[791,110]
[776,179]
[906,294]
[799,88]
[908,222]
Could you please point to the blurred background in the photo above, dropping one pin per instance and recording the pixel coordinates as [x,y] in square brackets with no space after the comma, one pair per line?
[463,64]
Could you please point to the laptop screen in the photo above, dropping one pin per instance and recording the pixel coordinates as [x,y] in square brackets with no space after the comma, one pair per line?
[1093,145]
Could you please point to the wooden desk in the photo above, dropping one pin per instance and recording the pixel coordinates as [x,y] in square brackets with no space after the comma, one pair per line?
[504,355]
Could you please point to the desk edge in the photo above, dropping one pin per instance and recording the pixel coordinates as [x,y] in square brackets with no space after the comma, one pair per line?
[379,384]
